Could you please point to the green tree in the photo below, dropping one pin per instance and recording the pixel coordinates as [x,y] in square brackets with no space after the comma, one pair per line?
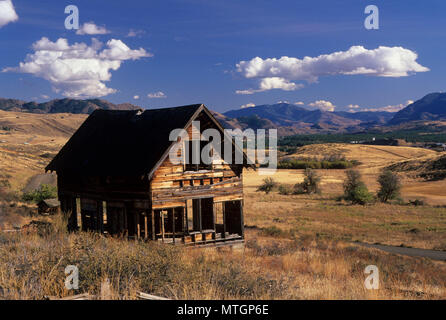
[355,189]
[390,186]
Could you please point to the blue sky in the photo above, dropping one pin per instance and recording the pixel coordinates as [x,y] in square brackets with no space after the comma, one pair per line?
[190,51]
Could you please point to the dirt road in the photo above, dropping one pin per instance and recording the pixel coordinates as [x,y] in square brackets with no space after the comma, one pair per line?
[413,252]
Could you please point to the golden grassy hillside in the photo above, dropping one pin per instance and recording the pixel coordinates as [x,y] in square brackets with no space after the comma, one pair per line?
[372,160]
[370,156]
[28,141]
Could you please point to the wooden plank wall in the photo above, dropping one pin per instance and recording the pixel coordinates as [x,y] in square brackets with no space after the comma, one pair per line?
[170,185]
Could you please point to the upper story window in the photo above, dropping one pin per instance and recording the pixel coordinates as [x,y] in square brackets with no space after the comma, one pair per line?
[198,164]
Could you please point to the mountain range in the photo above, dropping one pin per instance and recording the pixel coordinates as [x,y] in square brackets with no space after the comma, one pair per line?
[63,106]
[293,119]
[431,107]
[287,118]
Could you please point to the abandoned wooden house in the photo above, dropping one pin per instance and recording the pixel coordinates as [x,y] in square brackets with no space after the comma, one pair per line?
[114,176]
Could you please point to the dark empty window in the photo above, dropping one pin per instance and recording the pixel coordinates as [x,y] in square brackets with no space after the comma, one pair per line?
[199,163]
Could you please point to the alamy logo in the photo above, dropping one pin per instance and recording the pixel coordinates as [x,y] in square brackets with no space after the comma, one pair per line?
[72,279]
[372,20]
[207,147]
[372,280]
[72,20]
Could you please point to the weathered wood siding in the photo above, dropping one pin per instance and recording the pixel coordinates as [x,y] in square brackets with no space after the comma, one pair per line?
[171,185]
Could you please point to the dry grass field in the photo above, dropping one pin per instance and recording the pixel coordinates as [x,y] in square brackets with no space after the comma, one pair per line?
[324,217]
[32,266]
[297,246]
[28,140]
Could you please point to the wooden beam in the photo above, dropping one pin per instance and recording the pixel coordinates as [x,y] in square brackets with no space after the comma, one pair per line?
[224,219]
[146,296]
[241,219]
[162,225]
[186,216]
[173,224]
[153,224]
[136,226]
[146,231]
[78,212]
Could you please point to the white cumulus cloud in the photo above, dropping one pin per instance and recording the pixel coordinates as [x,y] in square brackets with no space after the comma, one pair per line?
[77,70]
[136,97]
[91,28]
[270,83]
[248,105]
[323,105]
[7,12]
[157,95]
[382,62]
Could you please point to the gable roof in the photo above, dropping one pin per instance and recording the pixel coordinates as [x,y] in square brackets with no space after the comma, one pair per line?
[134,142]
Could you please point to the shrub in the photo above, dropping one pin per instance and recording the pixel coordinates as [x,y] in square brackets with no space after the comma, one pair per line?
[45,191]
[390,186]
[416,202]
[361,195]
[268,185]
[328,162]
[298,188]
[355,190]
[285,189]
[274,231]
[310,183]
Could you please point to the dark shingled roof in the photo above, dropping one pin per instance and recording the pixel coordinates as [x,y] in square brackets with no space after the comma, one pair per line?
[122,142]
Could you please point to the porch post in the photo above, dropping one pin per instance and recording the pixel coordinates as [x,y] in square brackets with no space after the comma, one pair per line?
[242,227]
[77,211]
[162,225]
[223,207]
[153,225]
[146,231]
[173,224]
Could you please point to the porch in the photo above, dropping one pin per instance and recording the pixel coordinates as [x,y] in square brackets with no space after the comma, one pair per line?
[199,221]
